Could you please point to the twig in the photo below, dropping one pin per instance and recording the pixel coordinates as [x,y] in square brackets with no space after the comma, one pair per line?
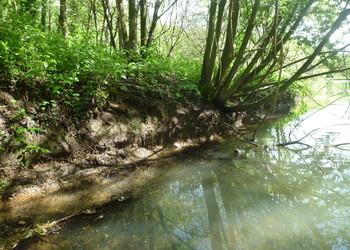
[313,114]
[291,143]
[341,144]
[250,142]
[318,165]
[98,217]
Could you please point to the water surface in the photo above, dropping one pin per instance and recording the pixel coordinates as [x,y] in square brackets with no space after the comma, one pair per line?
[270,197]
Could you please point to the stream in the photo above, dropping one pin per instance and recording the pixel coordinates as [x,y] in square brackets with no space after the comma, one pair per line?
[295,196]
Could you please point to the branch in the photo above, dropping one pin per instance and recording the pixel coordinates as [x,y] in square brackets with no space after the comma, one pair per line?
[341,144]
[332,53]
[323,73]
[292,143]
[165,11]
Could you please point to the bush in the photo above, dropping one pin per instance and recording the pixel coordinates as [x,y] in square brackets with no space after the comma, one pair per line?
[74,72]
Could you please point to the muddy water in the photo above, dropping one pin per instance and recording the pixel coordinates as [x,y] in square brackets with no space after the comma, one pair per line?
[269,197]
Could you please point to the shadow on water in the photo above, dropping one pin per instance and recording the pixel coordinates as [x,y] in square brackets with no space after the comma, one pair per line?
[271,197]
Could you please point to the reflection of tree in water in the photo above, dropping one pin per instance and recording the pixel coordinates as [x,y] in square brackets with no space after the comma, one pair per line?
[293,206]
[273,198]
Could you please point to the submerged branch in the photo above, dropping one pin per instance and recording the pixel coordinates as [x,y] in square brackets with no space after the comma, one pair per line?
[292,143]
[249,142]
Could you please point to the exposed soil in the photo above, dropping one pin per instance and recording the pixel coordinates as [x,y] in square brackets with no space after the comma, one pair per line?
[110,154]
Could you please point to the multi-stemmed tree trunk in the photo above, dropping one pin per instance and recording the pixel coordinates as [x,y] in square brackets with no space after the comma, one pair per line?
[128,37]
[109,20]
[241,64]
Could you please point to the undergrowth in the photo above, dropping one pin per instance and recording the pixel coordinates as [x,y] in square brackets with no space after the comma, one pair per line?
[74,74]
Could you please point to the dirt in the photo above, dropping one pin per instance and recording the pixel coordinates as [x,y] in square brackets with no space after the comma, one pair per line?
[105,156]
[110,154]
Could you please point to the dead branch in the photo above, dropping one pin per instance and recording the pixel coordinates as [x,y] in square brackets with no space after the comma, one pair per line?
[249,141]
[292,143]
[118,108]
[341,144]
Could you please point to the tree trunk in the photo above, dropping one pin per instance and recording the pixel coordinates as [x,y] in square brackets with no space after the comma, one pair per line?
[132,43]
[222,94]
[228,52]
[50,16]
[143,21]
[304,68]
[154,22]
[62,20]
[43,13]
[122,30]
[108,18]
[205,77]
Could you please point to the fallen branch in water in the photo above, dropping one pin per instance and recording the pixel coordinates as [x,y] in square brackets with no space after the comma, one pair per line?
[95,219]
[320,167]
[250,142]
[315,130]
[292,143]
[341,144]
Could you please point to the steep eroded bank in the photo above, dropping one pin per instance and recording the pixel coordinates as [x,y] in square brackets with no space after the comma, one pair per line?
[114,151]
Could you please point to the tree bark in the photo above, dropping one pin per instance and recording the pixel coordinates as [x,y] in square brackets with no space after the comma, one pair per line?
[342,16]
[206,78]
[228,52]
[143,21]
[43,14]
[62,20]
[108,18]
[132,43]
[122,30]
[222,94]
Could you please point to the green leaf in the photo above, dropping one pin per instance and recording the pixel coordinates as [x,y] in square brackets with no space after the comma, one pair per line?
[33,130]
[20,130]
[37,148]
[20,140]
[45,150]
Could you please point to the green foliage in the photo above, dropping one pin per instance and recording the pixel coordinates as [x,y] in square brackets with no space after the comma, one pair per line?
[3,183]
[3,186]
[74,73]
[17,142]
[15,139]
[159,76]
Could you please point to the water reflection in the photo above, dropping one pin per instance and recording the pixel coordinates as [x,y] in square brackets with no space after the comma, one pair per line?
[270,198]
[229,204]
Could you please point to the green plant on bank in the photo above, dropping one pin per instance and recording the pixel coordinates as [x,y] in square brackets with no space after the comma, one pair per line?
[74,73]
[3,186]
[15,140]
